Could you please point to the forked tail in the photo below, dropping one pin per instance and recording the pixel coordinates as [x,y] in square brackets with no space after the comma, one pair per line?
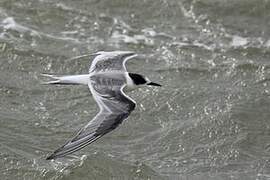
[67,80]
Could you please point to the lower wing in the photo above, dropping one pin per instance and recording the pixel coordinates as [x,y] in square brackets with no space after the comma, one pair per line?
[113,110]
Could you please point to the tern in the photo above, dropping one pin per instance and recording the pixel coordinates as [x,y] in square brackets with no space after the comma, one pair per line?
[108,80]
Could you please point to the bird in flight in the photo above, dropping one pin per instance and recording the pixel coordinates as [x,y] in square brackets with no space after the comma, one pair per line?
[108,80]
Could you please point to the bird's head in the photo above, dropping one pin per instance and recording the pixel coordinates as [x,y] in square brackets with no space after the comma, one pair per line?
[139,79]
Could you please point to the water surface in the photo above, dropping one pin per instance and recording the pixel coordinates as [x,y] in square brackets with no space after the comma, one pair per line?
[209,121]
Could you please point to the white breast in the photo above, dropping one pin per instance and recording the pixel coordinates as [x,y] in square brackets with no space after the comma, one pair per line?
[130,84]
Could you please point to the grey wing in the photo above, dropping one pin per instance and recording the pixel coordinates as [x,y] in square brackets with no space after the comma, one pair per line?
[114,108]
[110,61]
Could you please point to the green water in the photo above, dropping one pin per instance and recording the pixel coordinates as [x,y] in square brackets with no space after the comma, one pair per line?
[209,121]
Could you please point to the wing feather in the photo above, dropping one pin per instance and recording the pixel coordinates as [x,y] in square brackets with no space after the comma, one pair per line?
[114,108]
[110,61]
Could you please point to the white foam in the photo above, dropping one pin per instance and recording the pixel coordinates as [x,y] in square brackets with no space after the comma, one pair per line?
[238,41]
[267,44]
[10,24]
[136,39]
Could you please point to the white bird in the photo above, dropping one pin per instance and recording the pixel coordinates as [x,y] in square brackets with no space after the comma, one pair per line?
[107,81]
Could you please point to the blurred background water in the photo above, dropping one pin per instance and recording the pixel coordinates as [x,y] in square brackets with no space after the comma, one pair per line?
[209,121]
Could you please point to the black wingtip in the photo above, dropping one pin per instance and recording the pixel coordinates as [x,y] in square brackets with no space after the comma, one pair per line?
[50,157]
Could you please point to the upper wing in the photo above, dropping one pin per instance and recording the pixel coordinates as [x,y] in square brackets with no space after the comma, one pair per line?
[114,106]
[110,61]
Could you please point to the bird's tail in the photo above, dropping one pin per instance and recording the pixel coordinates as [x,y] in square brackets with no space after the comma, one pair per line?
[67,80]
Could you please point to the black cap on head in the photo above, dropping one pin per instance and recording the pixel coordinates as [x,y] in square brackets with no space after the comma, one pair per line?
[137,78]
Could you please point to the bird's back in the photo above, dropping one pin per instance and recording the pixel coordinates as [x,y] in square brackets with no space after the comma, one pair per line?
[108,81]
